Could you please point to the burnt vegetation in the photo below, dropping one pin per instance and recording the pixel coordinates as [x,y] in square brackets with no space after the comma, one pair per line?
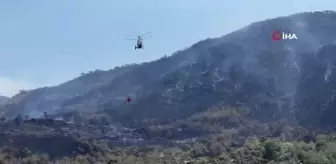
[234,99]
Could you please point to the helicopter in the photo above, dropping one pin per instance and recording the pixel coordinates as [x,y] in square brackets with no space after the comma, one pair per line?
[139,39]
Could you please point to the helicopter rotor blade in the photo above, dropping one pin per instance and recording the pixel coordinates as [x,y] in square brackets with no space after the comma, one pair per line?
[145,34]
[147,37]
[131,38]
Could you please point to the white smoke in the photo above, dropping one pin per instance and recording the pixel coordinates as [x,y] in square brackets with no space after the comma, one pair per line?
[9,86]
[328,72]
[35,114]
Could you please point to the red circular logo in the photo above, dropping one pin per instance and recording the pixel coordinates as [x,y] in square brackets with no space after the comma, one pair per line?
[276,35]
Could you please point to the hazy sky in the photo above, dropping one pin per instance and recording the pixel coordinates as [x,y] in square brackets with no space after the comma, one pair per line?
[47,42]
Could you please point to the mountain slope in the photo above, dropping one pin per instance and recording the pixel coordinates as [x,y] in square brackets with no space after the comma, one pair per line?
[243,68]
[3,99]
[315,95]
[258,73]
[245,38]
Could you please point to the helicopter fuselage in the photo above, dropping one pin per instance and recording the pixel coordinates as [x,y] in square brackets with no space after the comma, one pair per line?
[139,45]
